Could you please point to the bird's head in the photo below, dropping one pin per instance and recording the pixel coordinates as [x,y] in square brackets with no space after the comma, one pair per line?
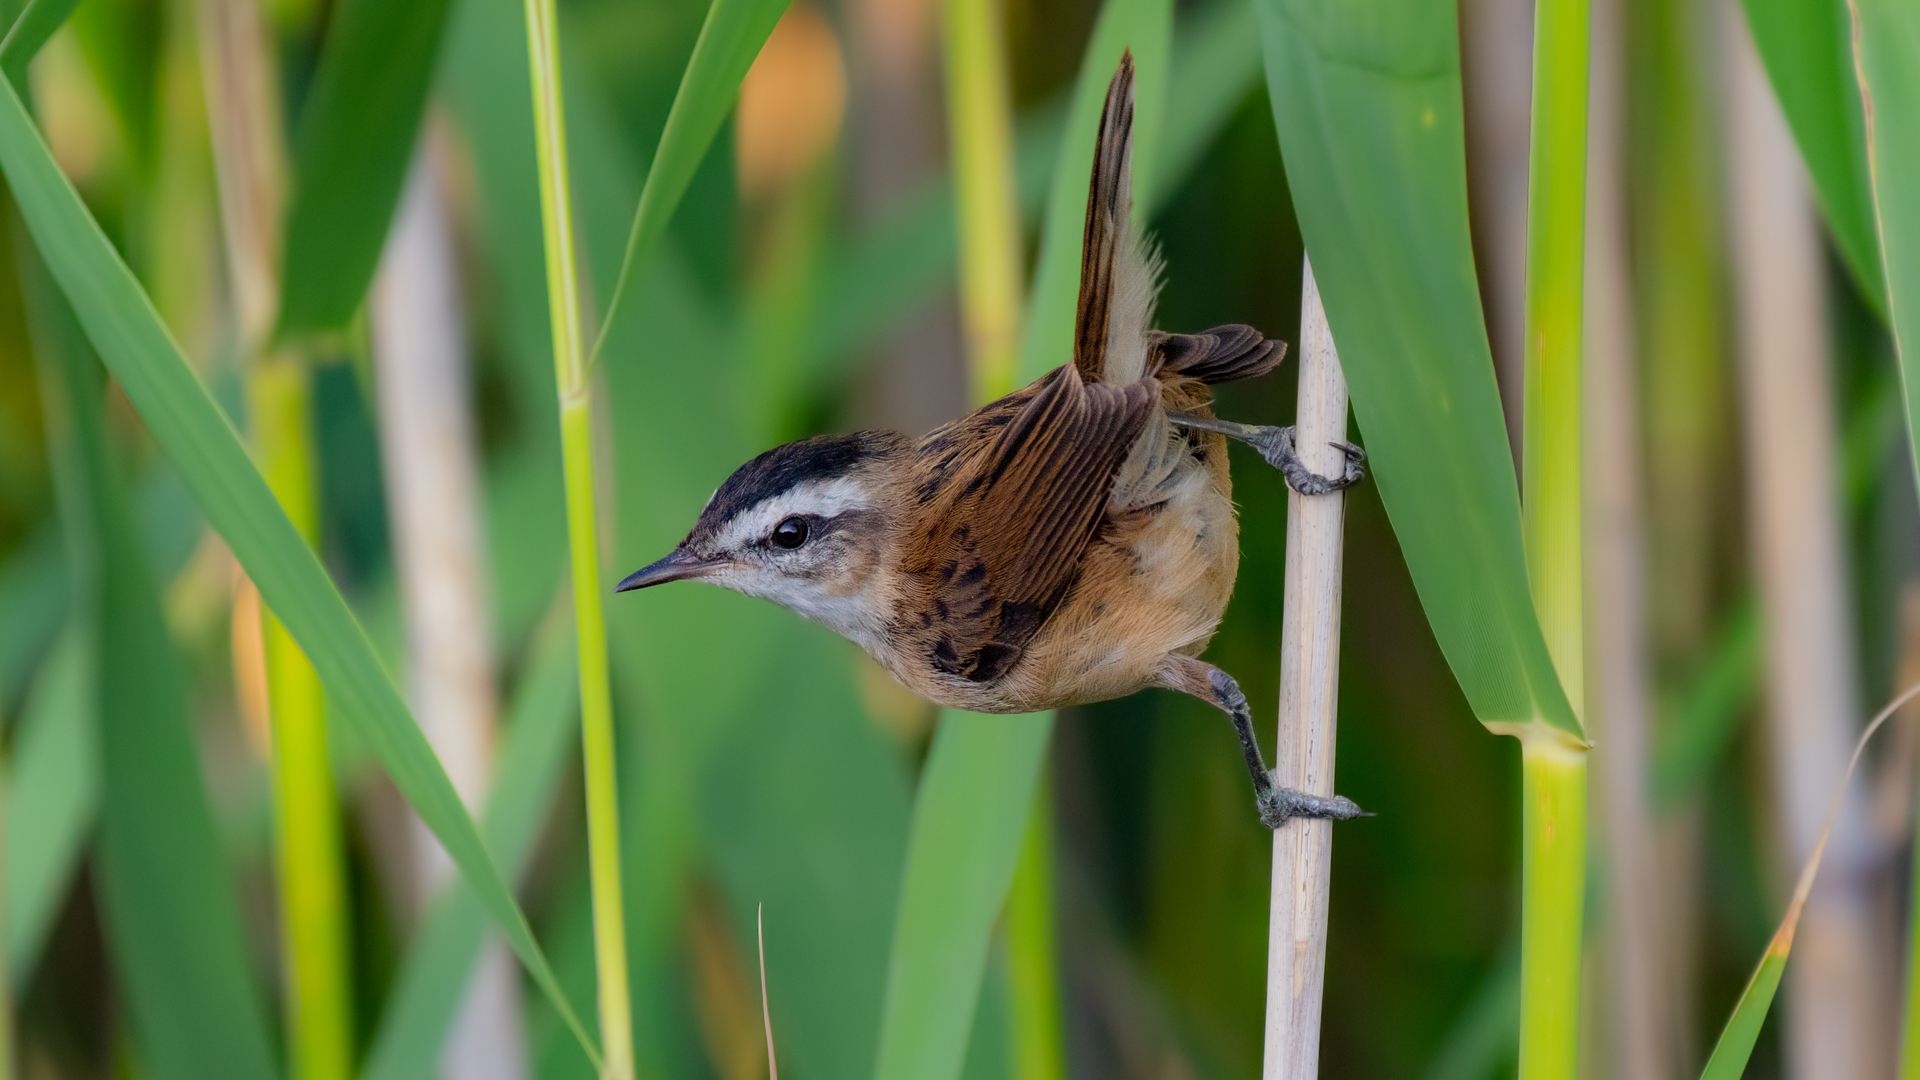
[806,525]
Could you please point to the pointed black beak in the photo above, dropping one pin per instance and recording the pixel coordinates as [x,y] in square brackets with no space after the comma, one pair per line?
[681,565]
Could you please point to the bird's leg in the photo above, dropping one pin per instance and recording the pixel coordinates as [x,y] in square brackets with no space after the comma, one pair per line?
[1276,445]
[1276,804]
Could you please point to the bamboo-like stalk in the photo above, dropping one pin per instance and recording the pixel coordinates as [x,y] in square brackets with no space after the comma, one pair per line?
[1554,806]
[1638,1025]
[987,201]
[1835,1025]
[980,123]
[430,457]
[249,158]
[576,448]
[1309,706]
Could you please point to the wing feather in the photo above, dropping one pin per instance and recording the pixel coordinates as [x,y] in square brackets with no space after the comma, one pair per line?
[1008,528]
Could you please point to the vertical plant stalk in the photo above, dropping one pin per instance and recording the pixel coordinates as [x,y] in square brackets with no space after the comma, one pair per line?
[1638,1024]
[1309,708]
[576,449]
[987,209]
[1553,863]
[1834,1027]
[249,159]
[431,464]
[987,201]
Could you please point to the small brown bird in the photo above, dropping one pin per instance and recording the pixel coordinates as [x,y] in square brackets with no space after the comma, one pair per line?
[1072,542]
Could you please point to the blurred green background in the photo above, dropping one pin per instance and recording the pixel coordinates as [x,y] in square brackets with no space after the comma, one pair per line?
[806,285]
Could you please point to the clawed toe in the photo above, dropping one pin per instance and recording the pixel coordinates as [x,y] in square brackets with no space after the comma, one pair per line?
[1278,805]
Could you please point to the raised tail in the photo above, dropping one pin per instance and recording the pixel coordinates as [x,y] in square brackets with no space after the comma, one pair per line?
[1119,276]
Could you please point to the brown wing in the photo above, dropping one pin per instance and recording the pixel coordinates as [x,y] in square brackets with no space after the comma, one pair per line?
[1006,527]
[1109,200]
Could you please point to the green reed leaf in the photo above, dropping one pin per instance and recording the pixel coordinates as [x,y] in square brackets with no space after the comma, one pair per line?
[1366,97]
[53,792]
[1805,46]
[355,140]
[190,428]
[171,919]
[1886,45]
[729,40]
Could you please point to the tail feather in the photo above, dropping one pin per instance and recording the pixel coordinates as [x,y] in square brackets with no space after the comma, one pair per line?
[1112,266]
[1222,354]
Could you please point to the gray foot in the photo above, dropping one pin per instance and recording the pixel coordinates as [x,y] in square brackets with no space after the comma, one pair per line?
[1276,445]
[1278,804]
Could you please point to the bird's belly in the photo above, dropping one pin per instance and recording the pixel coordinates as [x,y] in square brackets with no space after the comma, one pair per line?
[1154,583]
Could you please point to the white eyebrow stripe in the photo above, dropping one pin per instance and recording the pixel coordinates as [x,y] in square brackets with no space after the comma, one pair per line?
[826,499]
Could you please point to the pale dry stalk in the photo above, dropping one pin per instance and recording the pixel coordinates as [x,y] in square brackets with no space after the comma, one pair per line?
[1309,699]
[1636,1036]
[431,465]
[1837,1022]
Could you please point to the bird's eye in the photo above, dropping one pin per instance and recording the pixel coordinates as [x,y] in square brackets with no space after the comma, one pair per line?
[790,533]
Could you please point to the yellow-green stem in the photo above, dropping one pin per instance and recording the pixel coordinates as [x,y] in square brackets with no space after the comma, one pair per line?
[576,445]
[1556,252]
[1033,976]
[980,118]
[1553,866]
[1553,873]
[313,895]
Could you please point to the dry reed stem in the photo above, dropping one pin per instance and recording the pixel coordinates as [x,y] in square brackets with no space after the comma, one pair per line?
[431,456]
[1837,1024]
[1309,697]
[1636,1033]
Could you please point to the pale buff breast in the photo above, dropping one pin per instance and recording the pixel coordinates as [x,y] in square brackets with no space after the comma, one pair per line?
[1154,583]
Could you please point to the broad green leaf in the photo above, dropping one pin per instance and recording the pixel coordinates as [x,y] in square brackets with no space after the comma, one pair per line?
[35,591]
[1145,27]
[36,582]
[355,139]
[1366,98]
[53,790]
[428,990]
[975,795]
[729,40]
[36,23]
[171,920]
[1805,46]
[197,437]
[1886,40]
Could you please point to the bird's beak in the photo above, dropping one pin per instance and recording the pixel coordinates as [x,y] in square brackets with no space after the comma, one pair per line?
[681,565]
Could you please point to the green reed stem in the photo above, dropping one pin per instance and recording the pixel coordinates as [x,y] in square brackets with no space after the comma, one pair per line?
[576,446]
[1553,866]
[987,198]
[313,893]
[1553,873]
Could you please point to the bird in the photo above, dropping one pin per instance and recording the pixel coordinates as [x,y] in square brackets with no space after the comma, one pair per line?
[1072,542]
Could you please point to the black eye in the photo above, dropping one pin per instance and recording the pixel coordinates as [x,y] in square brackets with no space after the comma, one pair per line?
[790,533]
